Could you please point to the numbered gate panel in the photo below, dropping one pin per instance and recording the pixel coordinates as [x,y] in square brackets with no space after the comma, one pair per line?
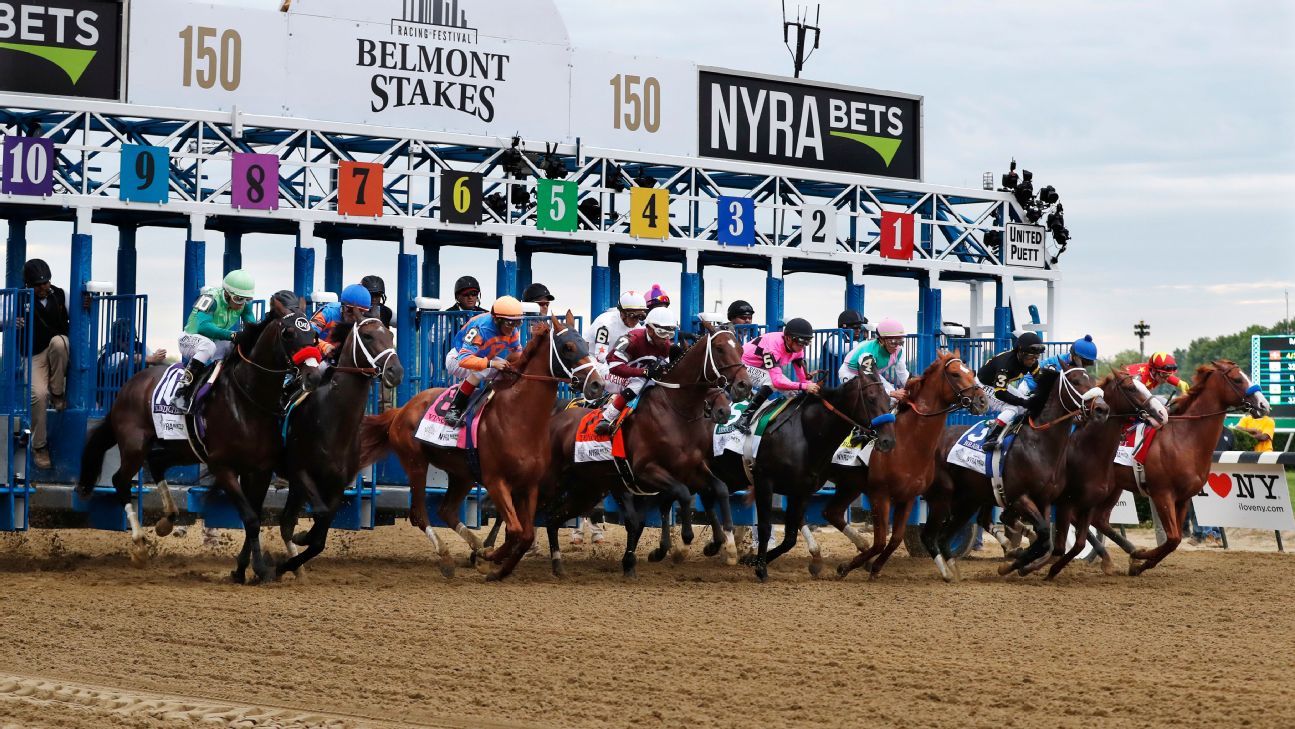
[27,166]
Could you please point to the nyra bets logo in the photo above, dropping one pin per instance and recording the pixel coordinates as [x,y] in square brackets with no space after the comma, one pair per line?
[430,59]
[64,47]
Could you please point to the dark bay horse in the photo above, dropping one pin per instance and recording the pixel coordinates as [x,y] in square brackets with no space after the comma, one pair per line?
[321,452]
[1032,473]
[897,478]
[668,441]
[1089,470]
[796,450]
[1178,462]
[512,442]
[243,443]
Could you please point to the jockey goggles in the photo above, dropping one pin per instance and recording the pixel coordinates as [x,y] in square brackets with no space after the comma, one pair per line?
[238,300]
[1166,368]
[1035,349]
[802,341]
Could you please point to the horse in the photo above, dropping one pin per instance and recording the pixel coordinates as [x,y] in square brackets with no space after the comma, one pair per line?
[1090,461]
[1032,473]
[321,451]
[900,476]
[795,451]
[511,466]
[668,440]
[242,415]
[1178,460]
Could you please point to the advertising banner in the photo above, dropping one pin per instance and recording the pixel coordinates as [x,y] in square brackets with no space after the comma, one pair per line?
[1248,495]
[784,121]
[61,47]
[637,103]
[1024,246]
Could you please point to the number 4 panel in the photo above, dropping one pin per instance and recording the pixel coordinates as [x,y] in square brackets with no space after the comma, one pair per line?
[254,181]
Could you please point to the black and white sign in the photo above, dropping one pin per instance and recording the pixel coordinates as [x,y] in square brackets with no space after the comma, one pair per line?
[61,47]
[1024,245]
[789,122]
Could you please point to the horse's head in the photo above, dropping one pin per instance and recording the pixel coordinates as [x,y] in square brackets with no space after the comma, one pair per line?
[1078,394]
[1240,392]
[1141,402]
[717,361]
[370,345]
[569,357]
[959,382]
[718,406]
[870,405]
[281,342]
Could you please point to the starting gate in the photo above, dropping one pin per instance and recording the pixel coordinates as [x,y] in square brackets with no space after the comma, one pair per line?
[15,407]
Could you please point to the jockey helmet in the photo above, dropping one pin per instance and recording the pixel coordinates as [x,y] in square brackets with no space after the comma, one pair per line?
[466,283]
[656,296]
[889,328]
[661,323]
[506,307]
[356,295]
[376,286]
[1084,352]
[35,272]
[631,301]
[240,283]
[799,330]
[1163,362]
[849,319]
[1029,343]
[288,299]
[740,308]
[537,292]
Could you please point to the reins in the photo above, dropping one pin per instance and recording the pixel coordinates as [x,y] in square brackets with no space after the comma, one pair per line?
[961,399]
[1068,388]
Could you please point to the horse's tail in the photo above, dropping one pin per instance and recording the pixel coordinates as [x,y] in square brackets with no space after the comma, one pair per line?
[375,436]
[101,438]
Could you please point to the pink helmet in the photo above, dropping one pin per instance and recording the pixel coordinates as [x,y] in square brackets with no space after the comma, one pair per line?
[889,328]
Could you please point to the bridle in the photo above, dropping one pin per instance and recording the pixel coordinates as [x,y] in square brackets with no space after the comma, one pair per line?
[1142,409]
[712,375]
[962,400]
[870,430]
[282,350]
[357,345]
[1083,402]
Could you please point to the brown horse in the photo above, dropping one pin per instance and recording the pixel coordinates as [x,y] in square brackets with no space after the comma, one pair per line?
[1090,462]
[668,442]
[243,441]
[1032,474]
[897,478]
[1178,462]
[321,452]
[512,452]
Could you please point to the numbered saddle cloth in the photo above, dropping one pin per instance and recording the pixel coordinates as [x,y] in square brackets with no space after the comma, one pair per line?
[1135,443]
[168,420]
[855,450]
[969,452]
[434,430]
[590,447]
[729,438]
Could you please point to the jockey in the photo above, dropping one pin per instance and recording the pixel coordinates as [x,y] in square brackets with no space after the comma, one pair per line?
[1159,370]
[615,323]
[764,359]
[887,353]
[480,350]
[1002,379]
[740,313]
[209,332]
[353,308]
[1083,353]
[850,331]
[656,297]
[636,358]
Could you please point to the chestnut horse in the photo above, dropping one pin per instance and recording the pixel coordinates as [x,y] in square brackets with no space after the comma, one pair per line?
[897,478]
[1090,462]
[511,443]
[796,450]
[668,440]
[1178,462]
[1032,473]
[243,443]
[321,453]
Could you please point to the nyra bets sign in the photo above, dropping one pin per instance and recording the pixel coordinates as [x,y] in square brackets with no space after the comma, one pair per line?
[1250,495]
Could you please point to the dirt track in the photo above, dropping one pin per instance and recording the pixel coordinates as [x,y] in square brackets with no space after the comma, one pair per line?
[377,638]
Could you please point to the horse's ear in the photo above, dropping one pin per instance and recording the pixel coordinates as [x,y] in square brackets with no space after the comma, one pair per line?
[710,328]
[571,320]
[957,354]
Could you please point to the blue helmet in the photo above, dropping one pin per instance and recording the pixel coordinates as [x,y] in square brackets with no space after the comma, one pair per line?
[356,295]
[1084,351]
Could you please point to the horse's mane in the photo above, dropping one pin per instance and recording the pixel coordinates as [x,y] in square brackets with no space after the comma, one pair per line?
[1045,379]
[1115,372]
[915,383]
[340,332]
[247,337]
[1203,372]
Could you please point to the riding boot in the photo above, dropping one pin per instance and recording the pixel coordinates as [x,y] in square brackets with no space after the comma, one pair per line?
[454,416]
[610,411]
[743,423]
[193,372]
[992,435]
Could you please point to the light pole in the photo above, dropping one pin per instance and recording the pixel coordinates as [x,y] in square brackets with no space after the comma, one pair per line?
[1143,330]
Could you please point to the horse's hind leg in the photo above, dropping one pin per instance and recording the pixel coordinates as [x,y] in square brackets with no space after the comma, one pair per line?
[836,513]
[123,481]
[795,518]
[718,493]
[287,525]
[632,518]
[1081,539]
[960,513]
[900,519]
[170,512]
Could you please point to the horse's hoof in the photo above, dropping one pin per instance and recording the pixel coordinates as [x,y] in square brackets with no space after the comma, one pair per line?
[1015,553]
[301,538]
[711,549]
[558,569]
[816,567]
[1006,569]
[163,527]
[447,567]
[1108,569]
[747,560]
[238,577]
[872,576]
[678,556]
[955,570]
[762,573]
[1135,568]
[483,565]
[139,553]
[630,574]
[494,576]
[686,535]
[842,570]
[656,555]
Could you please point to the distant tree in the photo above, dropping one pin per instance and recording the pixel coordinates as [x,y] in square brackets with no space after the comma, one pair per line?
[1235,347]
[1121,359]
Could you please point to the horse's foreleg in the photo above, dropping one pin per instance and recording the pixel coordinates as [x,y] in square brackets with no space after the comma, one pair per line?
[880,510]
[1039,545]
[902,511]
[288,525]
[322,514]
[837,514]
[1081,540]
[719,492]
[764,525]
[227,480]
[1168,511]
[521,532]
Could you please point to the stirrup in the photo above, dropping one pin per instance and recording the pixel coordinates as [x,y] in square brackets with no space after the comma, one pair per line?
[453,417]
[743,425]
[604,427]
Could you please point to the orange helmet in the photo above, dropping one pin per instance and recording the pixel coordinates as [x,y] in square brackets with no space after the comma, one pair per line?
[506,307]
[1163,362]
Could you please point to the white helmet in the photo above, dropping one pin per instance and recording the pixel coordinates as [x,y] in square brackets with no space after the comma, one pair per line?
[632,301]
[662,322]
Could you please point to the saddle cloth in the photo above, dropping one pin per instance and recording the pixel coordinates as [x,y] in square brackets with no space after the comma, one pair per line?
[433,428]
[729,438]
[168,420]
[855,451]
[969,452]
[1134,445]
[591,447]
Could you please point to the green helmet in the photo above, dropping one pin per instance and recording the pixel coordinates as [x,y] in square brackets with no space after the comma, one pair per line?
[240,283]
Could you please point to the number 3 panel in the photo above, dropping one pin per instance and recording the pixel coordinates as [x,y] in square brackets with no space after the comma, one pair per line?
[145,174]
[254,181]
[460,197]
[359,189]
[735,221]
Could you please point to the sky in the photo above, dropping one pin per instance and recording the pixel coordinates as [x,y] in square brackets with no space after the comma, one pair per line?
[1168,128]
